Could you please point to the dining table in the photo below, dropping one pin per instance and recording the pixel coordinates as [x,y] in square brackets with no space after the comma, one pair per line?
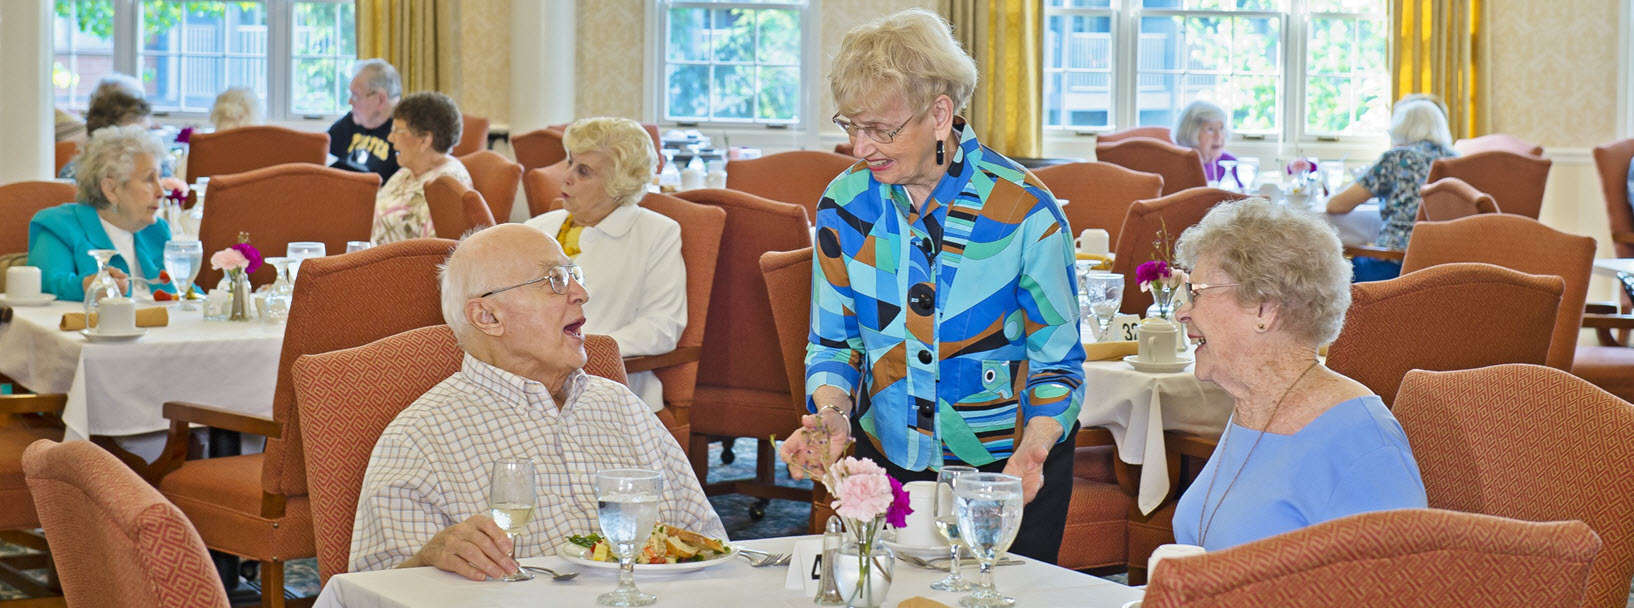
[731,583]
[1613,267]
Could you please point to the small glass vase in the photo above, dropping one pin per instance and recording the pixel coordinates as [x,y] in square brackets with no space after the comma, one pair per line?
[864,566]
[242,306]
[1162,302]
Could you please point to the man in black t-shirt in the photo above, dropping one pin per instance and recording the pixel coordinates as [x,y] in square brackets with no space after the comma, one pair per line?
[358,139]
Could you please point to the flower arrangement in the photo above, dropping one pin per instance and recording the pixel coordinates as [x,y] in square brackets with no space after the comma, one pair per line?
[185,136]
[175,189]
[1161,270]
[862,491]
[241,257]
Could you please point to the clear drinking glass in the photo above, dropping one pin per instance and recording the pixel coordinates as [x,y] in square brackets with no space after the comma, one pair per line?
[1101,295]
[182,262]
[281,292]
[299,251]
[511,497]
[947,524]
[1228,168]
[354,246]
[103,286]
[627,504]
[988,507]
[1248,173]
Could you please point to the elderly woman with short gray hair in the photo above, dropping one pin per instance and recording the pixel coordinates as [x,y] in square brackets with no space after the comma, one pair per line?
[1305,444]
[631,255]
[1418,130]
[1204,127]
[119,193]
[424,129]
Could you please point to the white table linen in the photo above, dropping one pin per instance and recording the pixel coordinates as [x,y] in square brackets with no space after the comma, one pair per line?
[1611,266]
[1359,227]
[732,584]
[119,388]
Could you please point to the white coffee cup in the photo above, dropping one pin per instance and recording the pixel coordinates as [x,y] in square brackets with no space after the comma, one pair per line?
[921,528]
[1093,241]
[1159,340]
[116,315]
[1163,552]
[22,282]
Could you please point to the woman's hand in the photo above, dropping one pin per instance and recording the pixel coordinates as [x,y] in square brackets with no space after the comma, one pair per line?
[118,275]
[821,439]
[1027,461]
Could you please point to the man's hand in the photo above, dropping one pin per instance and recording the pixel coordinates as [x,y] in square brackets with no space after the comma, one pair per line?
[1027,461]
[820,440]
[475,549]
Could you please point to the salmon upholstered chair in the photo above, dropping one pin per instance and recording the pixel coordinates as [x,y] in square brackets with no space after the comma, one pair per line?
[1173,213]
[1517,243]
[1099,194]
[543,188]
[1610,365]
[798,176]
[497,178]
[255,505]
[1158,133]
[1451,198]
[277,205]
[1532,443]
[473,135]
[1515,181]
[346,399]
[1497,141]
[24,419]
[66,151]
[1390,559]
[115,540]
[1448,316]
[845,148]
[544,147]
[1612,161]
[788,287]
[743,389]
[250,148]
[455,210]
[19,201]
[1181,168]
[701,227]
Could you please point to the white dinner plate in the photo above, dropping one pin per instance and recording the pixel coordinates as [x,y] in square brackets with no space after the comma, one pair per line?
[37,300]
[1153,367]
[924,551]
[581,556]
[112,336]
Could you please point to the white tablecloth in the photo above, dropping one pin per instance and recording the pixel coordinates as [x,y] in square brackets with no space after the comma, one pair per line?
[728,585]
[1138,406]
[119,388]
[1359,227]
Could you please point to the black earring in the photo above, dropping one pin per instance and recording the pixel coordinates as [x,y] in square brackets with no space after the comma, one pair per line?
[939,152]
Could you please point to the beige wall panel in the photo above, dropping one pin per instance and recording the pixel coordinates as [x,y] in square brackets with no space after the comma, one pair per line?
[1554,70]
[484,59]
[611,44]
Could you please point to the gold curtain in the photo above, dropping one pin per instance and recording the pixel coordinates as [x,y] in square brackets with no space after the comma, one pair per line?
[1005,38]
[416,36]
[1440,47]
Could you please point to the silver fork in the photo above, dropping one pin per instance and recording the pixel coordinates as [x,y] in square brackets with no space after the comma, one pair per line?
[760,559]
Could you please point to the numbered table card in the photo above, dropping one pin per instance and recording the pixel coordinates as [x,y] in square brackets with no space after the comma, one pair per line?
[803,567]
[1123,328]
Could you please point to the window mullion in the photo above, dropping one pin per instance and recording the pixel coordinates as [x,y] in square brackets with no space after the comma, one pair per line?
[127,38]
[1126,78]
[1295,71]
[280,46]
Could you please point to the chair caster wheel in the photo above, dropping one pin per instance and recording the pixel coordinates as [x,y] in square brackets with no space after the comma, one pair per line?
[727,455]
[757,511]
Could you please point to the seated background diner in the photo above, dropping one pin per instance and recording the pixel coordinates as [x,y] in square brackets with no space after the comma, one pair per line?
[358,139]
[1204,127]
[119,191]
[631,255]
[1419,136]
[236,107]
[425,127]
[1304,444]
[117,101]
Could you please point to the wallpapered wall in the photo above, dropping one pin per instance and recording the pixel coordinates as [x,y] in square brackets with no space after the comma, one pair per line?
[485,58]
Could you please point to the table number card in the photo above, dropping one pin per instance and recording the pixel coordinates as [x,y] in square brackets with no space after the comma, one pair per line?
[803,567]
[1123,328]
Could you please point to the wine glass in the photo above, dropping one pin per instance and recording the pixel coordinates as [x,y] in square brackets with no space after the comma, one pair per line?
[1102,293]
[355,246]
[182,262]
[1248,172]
[988,507]
[299,251]
[1229,167]
[1333,172]
[511,497]
[948,525]
[103,286]
[281,292]
[627,504]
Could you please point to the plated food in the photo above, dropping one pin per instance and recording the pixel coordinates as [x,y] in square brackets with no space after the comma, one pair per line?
[667,545]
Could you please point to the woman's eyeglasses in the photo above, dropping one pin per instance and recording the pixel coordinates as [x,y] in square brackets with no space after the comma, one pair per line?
[1193,290]
[874,133]
[558,276]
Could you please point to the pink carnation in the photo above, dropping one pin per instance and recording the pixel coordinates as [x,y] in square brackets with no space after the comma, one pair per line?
[851,465]
[863,496]
[228,259]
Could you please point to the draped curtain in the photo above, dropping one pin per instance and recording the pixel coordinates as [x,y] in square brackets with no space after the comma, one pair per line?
[1440,47]
[415,36]
[1006,39]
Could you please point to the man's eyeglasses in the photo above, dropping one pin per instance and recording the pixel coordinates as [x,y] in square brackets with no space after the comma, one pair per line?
[1193,290]
[558,276]
[874,133]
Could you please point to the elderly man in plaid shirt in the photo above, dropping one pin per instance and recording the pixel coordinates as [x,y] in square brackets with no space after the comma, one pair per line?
[515,302]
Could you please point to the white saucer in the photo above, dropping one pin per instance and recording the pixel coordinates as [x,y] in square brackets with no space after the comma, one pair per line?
[37,300]
[110,336]
[1152,367]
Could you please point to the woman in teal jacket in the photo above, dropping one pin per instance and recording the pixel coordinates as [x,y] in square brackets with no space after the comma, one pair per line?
[119,192]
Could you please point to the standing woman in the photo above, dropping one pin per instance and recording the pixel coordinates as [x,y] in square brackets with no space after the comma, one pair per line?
[945,326]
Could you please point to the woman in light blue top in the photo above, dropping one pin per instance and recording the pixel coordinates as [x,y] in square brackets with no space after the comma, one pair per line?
[1305,444]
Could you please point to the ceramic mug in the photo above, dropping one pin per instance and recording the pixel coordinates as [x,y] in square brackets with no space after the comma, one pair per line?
[1159,340]
[921,528]
[1093,241]
[1163,552]
[22,282]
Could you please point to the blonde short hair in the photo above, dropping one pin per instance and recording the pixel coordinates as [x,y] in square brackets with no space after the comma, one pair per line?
[236,107]
[624,141]
[1192,118]
[911,53]
[1416,120]
[111,153]
[1277,254]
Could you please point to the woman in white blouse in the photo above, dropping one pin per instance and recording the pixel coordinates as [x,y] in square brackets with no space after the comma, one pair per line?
[424,129]
[631,256]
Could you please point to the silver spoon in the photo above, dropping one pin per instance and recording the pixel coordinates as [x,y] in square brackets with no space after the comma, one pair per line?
[554,575]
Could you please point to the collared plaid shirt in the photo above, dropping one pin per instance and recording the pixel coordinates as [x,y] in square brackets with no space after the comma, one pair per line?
[430,468]
[953,324]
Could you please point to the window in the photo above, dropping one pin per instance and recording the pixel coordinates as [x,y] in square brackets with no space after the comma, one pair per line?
[295,54]
[1293,69]
[732,61]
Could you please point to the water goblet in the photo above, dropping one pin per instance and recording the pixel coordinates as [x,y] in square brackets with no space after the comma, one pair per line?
[299,251]
[511,497]
[627,505]
[947,524]
[355,246]
[988,507]
[1102,293]
[182,261]
[103,286]
[1228,168]
[1248,172]
[281,292]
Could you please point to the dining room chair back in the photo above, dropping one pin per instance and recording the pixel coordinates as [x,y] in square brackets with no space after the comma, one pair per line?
[250,148]
[543,188]
[701,228]
[1181,168]
[1390,559]
[1158,133]
[1517,243]
[473,135]
[286,203]
[797,176]
[115,541]
[1098,194]
[1497,141]
[788,287]
[1532,443]
[1515,181]
[1450,198]
[19,201]
[1442,318]
[1171,215]
[65,151]
[1612,161]
[455,209]
[497,178]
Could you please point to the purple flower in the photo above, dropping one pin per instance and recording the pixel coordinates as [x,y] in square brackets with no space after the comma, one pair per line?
[186,136]
[897,514]
[250,253]
[1151,271]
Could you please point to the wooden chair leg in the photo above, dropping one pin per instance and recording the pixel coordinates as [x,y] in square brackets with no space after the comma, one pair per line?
[698,455]
[765,461]
[272,584]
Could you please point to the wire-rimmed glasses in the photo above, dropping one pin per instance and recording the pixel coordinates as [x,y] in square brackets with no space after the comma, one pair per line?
[558,276]
[874,133]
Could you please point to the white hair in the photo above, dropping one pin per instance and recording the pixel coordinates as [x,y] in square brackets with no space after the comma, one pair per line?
[111,153]
[381,77]
[116,81]
[1416,120]
[236,107]
[1192,118]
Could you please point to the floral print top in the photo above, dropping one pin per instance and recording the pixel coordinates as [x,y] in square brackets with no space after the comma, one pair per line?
[400,210]
[1395,181]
